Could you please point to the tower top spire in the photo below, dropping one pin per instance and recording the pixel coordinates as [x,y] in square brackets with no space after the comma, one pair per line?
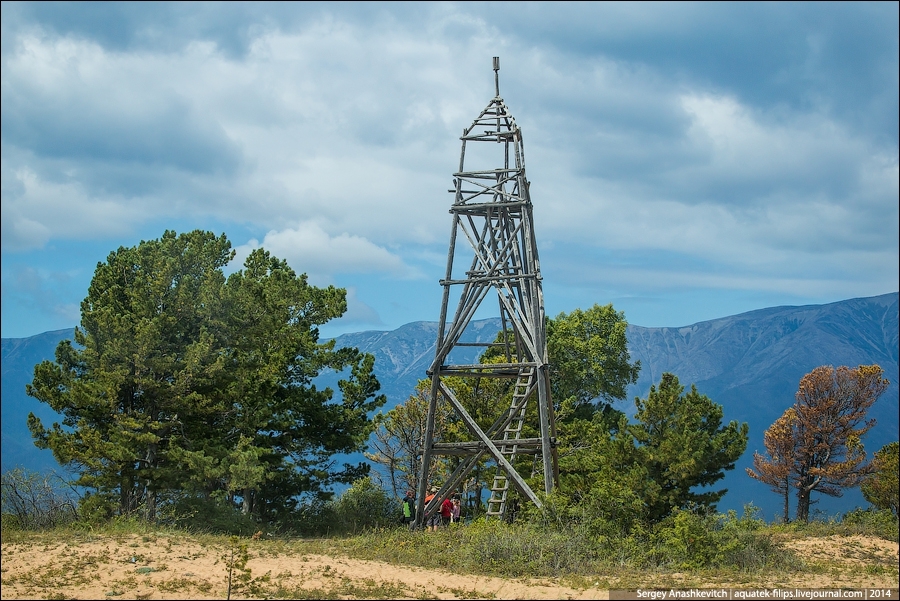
[497,75]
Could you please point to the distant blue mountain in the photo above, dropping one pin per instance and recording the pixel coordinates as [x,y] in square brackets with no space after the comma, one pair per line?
[19,356]
[750,363]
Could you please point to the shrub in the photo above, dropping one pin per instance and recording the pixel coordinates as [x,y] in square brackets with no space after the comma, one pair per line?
[694,540]
[315,517]
[31,501]
[525,549]
[365,505]
[882,487]
[875,522]
[95,508]
[211,515]
[686,540]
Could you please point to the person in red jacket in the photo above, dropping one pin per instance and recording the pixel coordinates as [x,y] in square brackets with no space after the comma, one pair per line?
[446,511]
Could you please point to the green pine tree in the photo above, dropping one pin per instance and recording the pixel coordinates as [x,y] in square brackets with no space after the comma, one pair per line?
[184,383]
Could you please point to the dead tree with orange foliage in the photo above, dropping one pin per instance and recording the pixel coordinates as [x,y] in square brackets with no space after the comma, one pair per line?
[831,411]
[776,470]
[816,445]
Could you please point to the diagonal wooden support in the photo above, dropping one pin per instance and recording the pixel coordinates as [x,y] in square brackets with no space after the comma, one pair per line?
[491,448]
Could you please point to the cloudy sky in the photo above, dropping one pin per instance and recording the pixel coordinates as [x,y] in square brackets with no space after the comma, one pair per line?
[688,161]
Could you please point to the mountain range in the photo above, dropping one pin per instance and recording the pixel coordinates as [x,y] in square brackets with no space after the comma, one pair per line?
[751,364]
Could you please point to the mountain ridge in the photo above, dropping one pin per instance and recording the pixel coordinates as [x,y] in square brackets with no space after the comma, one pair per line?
[750,363]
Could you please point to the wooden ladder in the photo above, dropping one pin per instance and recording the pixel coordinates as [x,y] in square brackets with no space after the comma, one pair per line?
[513,431]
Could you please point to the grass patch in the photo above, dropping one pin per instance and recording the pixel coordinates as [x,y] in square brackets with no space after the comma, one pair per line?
[864,522]
[524,550]
[687,551]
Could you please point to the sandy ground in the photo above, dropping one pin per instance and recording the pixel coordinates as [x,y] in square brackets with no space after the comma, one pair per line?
[163,567]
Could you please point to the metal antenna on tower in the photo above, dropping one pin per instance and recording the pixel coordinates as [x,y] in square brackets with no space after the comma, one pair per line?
[492,214]
[497,76]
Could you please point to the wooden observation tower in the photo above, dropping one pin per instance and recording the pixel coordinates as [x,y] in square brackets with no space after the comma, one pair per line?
[493,257]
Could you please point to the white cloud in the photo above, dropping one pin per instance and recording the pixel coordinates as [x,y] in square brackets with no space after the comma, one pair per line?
[335,128]
[802,152]
[311,121]
[36,210]
[309,249]
[744,190]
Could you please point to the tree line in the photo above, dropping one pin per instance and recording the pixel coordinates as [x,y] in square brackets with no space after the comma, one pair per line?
[621,475]
[186,386]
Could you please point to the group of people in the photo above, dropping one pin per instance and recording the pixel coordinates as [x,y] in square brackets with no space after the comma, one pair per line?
[447,514]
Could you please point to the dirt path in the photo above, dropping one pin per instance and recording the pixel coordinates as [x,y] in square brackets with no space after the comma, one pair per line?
[170,567]
[166,568]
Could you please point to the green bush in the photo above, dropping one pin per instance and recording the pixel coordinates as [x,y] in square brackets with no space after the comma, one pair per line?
[485,547]
[316,517]
[525,549]
[881,488]
[867,522]
[874,522]
[687,540]
[694,540]
[96,509]
[213,515]
[365,505]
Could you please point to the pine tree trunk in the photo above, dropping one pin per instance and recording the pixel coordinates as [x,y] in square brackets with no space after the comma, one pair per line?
[787,504]
[126,494]
[150,495]
[803,494]
[151,505]
[787,501]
